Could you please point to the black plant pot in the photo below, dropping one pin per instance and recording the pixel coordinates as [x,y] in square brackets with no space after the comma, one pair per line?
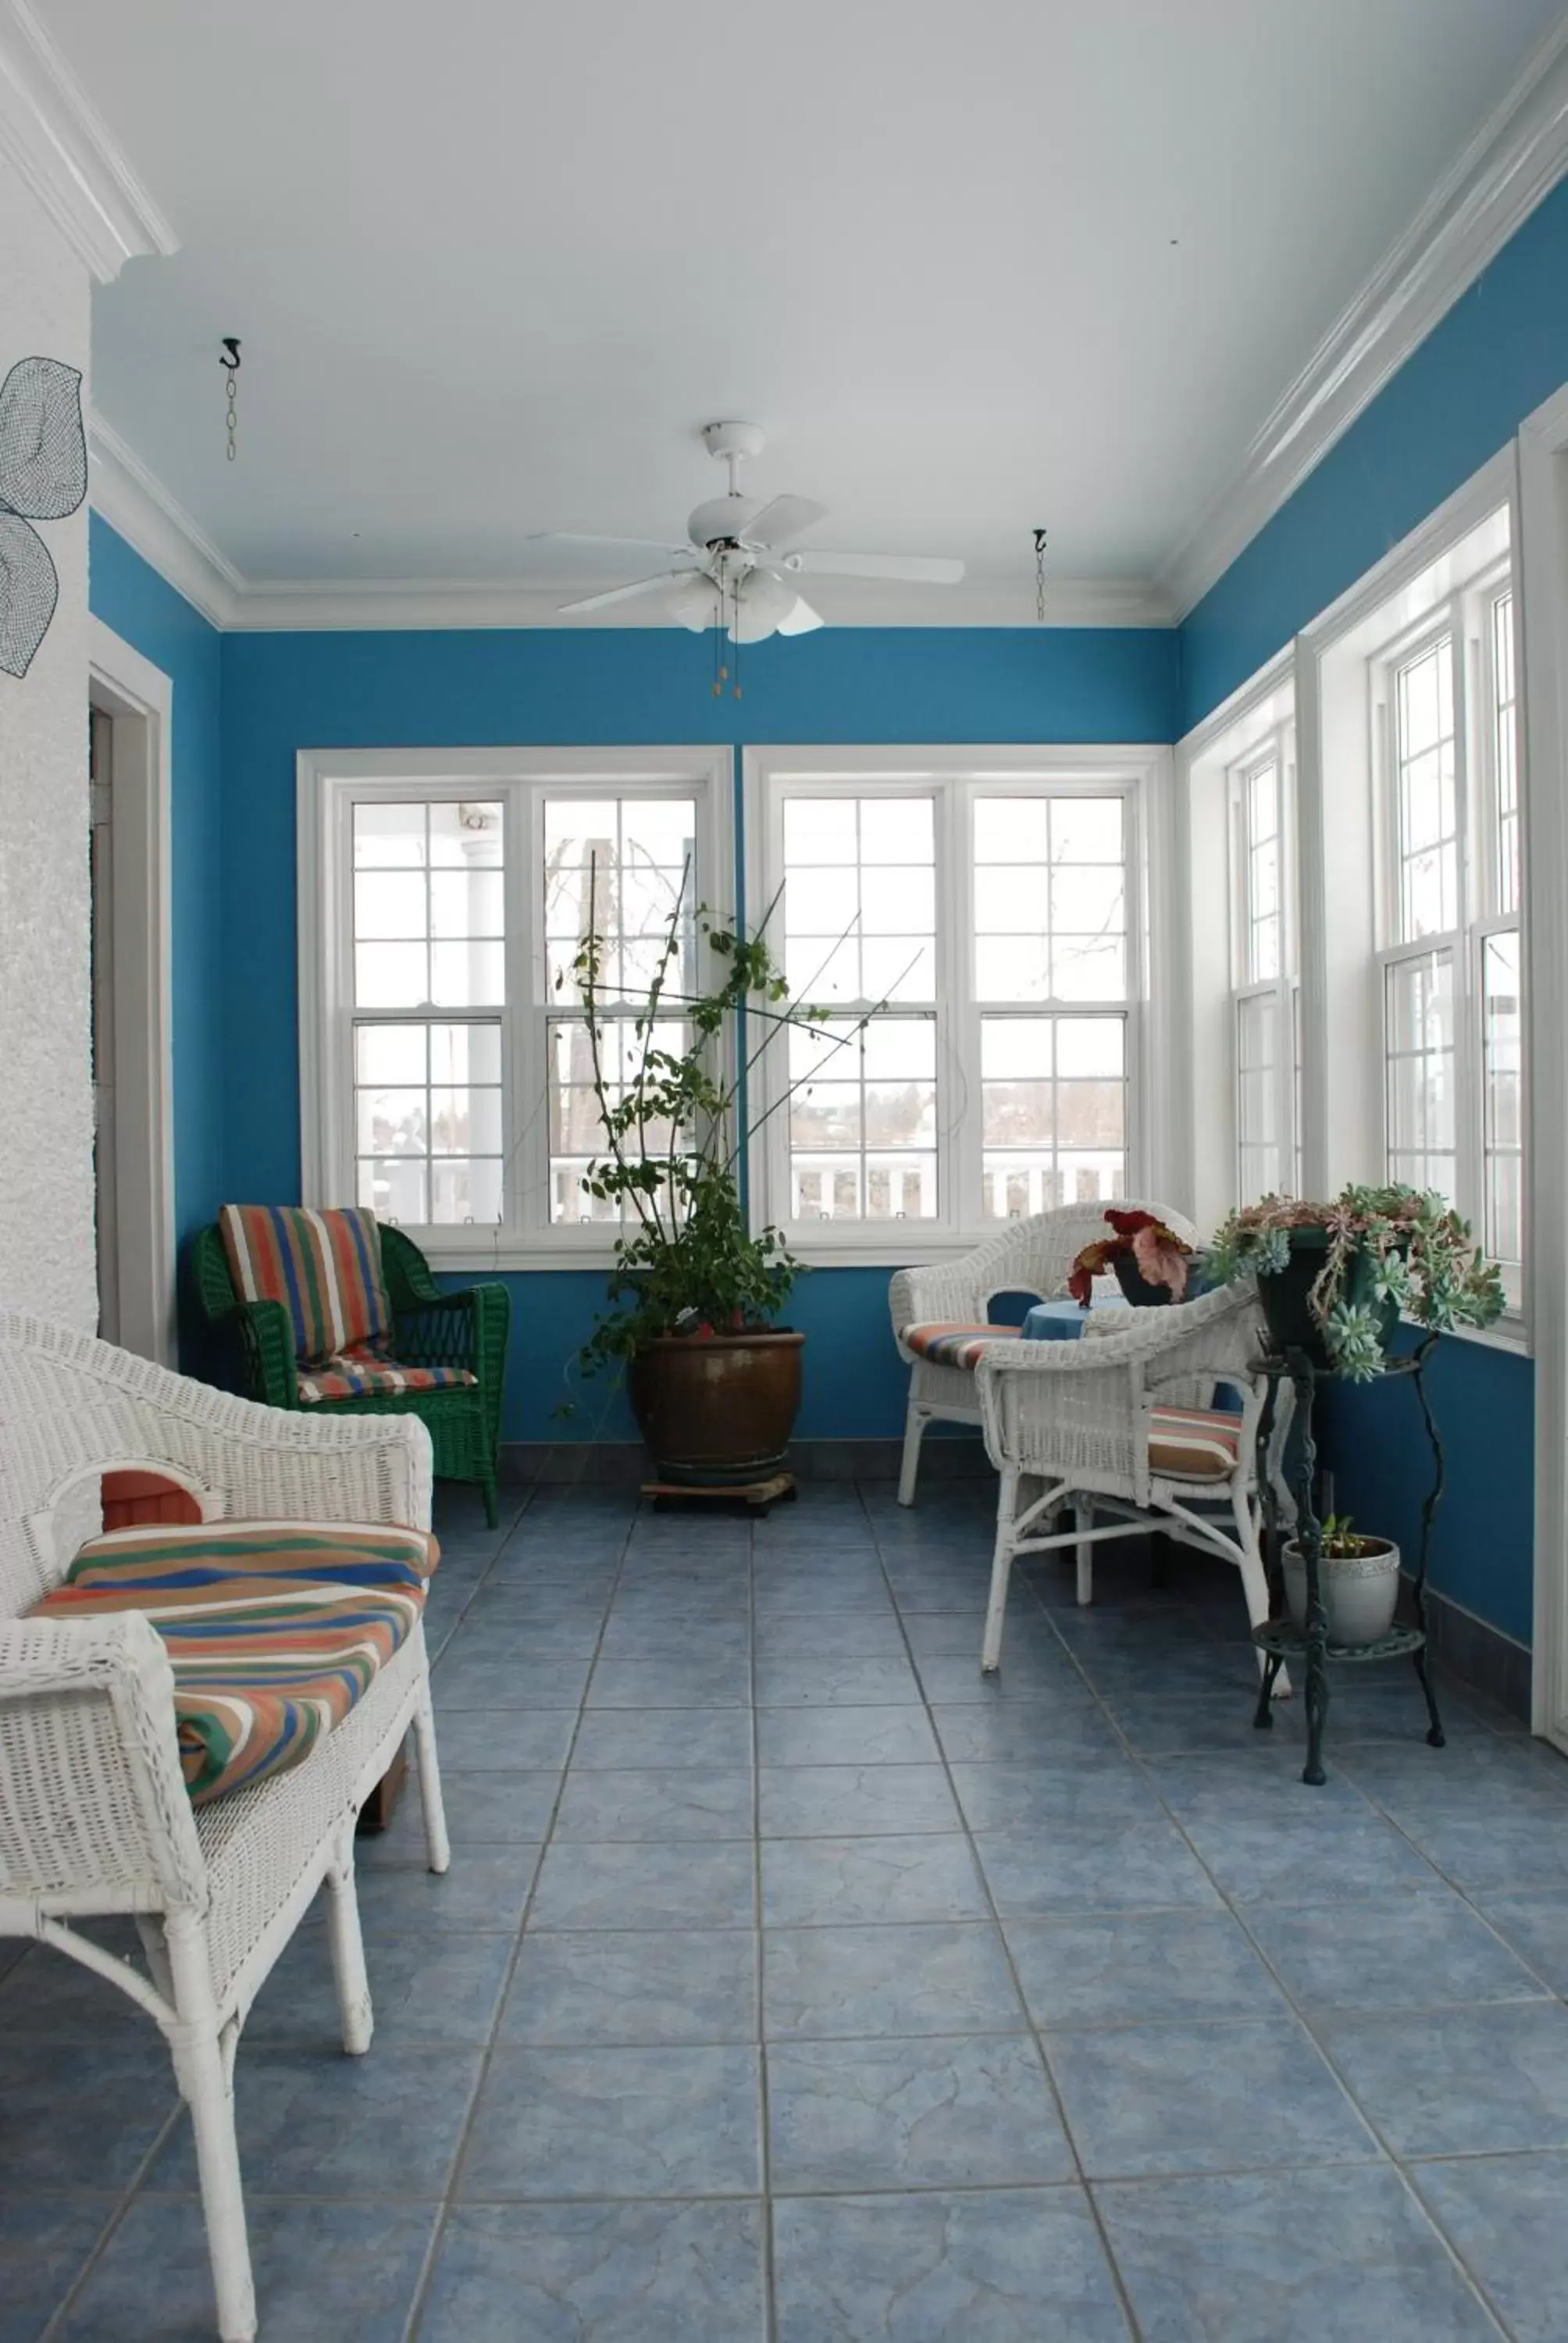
[1285,1295]
[1135,1287]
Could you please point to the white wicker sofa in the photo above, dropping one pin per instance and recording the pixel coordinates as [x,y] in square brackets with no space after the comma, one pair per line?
[1033,1256]
[95,1817]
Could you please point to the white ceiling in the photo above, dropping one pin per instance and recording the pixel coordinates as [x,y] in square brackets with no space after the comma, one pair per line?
[971,266]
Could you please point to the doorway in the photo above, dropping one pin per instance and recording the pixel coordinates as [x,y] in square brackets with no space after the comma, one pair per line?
[130,712]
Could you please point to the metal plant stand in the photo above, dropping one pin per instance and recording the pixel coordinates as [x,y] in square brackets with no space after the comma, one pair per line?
[1280,1639]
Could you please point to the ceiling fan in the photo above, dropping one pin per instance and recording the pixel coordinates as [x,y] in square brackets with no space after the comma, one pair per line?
[734,572]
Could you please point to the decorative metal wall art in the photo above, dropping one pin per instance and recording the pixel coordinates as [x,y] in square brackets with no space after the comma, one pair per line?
[43,476]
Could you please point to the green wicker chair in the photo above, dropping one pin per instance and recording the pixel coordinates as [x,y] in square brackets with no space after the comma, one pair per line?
[431,1328]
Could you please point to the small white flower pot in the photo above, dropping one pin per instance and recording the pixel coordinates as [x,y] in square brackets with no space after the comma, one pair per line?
[1360,1590]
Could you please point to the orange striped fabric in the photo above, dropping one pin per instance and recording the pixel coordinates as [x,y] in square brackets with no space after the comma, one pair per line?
[274,1630]
[947,1345]
[1193,1443]
[369,1375]
[324,1267]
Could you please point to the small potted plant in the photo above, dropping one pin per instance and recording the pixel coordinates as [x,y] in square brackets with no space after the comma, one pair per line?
[1358,1578]
[1332,1278]
[1150,1262]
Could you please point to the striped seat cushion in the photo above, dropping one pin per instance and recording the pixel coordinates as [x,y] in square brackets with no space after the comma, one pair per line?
[1193,1443]
[955,1346]
[274,1629]
[324,1267]
[368,1375]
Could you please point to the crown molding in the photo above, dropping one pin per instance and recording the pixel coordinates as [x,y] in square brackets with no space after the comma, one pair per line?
[136,504]
[1514,160]
[61,149]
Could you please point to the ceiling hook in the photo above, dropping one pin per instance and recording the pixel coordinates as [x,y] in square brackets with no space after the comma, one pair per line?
[231,346]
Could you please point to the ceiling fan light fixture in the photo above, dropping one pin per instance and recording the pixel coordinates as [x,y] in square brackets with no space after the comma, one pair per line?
[695,602]
[761,602]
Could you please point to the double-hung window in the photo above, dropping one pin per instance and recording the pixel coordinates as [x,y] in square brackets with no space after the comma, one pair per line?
[447,1068]
[1265,996]
[1443,702]
[969,926]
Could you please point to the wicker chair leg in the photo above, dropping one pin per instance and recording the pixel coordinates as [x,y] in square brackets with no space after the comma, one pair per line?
[492,1501]
[1000,1570]
[915,1422]
[437,1848]
[207,2086]
[1083,1519]
[353,2005]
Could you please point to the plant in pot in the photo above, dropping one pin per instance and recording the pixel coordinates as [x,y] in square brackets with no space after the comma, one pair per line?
[1358,1578]
[1334,1279]
[694,1296]
[1150,1262]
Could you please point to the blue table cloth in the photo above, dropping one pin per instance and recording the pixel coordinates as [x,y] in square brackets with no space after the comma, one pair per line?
[1062,1322]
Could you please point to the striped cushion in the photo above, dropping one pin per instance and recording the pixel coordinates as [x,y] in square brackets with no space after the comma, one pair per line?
[1193,1443]
[274,1629]
[361,1374]
[324,1267]
[955,1346]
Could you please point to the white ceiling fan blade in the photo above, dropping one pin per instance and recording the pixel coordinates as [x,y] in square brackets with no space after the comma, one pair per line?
[624,593]
[617,544]
[801,621]
[785,517]
[904,568]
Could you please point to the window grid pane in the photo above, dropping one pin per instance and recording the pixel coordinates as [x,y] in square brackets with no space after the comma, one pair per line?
[1425,802]
[618,866]
[428,921]
[1257,1094]
[859,900]
[429,1120]
[576,1129]
[1502,1135]
[862,1120]
[1049,897]
[1053,1104]
[1505,753]
[1264,913]
[1420,1072]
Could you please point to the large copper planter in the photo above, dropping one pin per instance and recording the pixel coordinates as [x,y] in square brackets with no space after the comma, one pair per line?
[716,1408]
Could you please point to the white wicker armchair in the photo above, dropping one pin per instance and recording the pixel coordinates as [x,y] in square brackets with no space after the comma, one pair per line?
[1033,1256]
[94,1816]
[1090,1422]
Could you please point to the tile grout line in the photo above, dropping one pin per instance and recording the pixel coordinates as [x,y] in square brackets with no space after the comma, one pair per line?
[1237,1914]
[770,2252]
[1122,2295]
[448,2198]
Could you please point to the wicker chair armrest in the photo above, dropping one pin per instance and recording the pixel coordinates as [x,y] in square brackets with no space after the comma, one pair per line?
[94,1801]
[465,1329]
[265,1334]
[939,1293]
[252,1463]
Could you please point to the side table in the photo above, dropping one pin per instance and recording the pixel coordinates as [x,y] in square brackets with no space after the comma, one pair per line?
[1282,1639]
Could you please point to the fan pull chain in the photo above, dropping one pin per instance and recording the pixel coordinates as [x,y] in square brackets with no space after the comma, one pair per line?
[229,359]
[1039,576]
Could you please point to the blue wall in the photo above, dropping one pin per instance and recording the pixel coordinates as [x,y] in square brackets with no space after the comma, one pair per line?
[284,692]
[1501,350]
[147,612]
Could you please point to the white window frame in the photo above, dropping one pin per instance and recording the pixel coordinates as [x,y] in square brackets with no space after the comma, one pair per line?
[1429,582]
[1276,746]
[954,776]
[329,782]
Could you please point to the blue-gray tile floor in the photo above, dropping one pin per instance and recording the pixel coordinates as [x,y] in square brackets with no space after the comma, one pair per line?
[792,1984]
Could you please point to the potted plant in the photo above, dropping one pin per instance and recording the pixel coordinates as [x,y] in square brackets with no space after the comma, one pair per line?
[1150,1262]
[1358,1578]
[714,1382]
[1334,1279]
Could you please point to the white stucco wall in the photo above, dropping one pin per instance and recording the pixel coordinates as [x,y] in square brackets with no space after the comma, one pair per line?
[47,1257]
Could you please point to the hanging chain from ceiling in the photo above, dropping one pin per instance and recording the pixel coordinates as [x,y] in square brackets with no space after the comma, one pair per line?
[1039,576]
[229,359]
